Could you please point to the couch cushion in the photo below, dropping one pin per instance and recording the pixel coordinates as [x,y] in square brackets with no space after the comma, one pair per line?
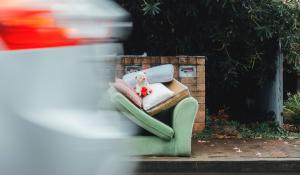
[157,74]
[160,93]
[180,92]
[122,87]
[139,117]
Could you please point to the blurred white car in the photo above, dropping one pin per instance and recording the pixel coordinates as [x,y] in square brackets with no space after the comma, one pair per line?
[56,62]
[53,23]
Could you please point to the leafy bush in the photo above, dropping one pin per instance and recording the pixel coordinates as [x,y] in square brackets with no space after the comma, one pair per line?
[239,37]
[291,109]
[263,130]
[268,130]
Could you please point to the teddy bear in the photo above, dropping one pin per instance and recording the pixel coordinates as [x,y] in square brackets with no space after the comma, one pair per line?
[142,85]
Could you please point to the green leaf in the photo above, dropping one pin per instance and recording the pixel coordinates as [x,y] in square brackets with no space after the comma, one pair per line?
[151,8]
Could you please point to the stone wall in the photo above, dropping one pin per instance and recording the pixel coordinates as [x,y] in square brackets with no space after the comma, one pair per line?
[189,70]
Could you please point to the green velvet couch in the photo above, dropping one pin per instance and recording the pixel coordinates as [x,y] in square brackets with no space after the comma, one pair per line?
[165,140]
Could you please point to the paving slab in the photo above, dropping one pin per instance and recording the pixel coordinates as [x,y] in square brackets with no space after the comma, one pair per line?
[230,156]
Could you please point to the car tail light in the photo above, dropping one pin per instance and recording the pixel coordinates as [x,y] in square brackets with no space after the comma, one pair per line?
[30,28]
[37,28]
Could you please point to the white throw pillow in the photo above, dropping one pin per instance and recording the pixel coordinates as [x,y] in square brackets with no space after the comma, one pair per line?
[158,74]
[160,93]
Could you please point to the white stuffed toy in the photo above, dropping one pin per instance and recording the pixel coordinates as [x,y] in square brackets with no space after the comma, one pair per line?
[142,85]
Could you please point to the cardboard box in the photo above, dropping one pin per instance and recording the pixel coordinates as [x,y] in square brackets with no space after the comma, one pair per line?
[180,92]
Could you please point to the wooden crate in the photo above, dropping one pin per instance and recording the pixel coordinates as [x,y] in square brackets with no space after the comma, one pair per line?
[195,82]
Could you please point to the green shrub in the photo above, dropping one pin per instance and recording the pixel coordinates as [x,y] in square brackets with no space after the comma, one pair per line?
[259,130]
[291,109]
[247,133]
[269,130]
[239,37]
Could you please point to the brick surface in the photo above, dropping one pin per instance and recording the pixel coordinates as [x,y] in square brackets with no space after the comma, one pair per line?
[198,127]
[191,87]
[200,117]
[176,72]
[200,87]
[191,60]
[195,94]
[174,60]
[164,60]
[137,60]
[279,154]
[201,100]
[200,60]
[146,60]
[188,80]
[200,79]
[196,88]
[202,106]
[202,93]
[128,60]
[200,68]
[155,60]
[182,60]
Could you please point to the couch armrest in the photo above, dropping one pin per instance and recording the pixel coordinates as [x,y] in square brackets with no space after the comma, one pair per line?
[183,121]
[139,117]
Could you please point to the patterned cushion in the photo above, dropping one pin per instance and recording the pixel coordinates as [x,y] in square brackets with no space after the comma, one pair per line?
[122,87]
[157,74]
[160,93]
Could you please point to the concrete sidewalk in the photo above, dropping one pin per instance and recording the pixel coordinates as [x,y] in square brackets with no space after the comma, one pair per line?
[223,156]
